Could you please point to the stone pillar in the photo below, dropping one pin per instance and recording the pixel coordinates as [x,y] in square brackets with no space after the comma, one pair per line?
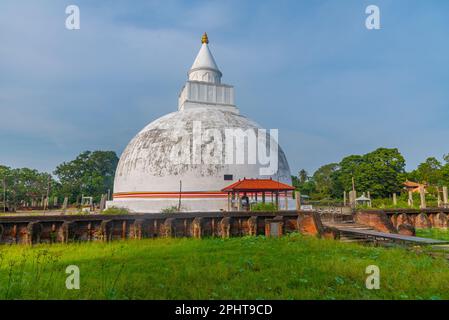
[64,205]
[252,226]
[410,199]
[422,221]
[439,202]
[440,221]
[90,231]
[139,229]
[107,227]
[445,197]
[422,194]
[197,228]
[34,230]
[274,227]
[225,227]
[394,220]
[45,204]
[239,202]
[169,228]
[352,197]
[55,202]
[277,200]
[103,202]
[298,200]
[344,198]
[403,218]
[124,228]
[14,234]
[67,231]
[395,199]
[286,200]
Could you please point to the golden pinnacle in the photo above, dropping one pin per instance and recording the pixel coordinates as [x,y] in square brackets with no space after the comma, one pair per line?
[205,39]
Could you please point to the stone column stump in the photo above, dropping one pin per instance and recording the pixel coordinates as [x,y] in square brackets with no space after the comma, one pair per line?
[225,227]
[34,230]
[197,228]
[422,221]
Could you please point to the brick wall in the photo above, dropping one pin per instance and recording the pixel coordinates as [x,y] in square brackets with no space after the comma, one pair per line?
[51,229]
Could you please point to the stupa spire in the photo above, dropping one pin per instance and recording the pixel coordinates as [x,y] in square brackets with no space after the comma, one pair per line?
[204,89]
[204,67]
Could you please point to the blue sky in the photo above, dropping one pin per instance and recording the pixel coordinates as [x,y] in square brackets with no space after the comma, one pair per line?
[309,68]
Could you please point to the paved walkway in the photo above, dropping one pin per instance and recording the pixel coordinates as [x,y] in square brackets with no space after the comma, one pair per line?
[365,232]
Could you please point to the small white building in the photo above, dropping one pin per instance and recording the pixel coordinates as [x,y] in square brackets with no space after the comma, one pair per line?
[177,160]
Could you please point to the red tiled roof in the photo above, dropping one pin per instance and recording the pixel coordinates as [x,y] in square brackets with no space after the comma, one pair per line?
[258,185]
[412,184]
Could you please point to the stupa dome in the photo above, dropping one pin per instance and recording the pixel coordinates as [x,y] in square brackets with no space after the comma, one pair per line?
[184,153]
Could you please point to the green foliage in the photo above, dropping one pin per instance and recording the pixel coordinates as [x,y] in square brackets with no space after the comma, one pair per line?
[291,267]
[24,185]
[303,183]
[170,210]
[402,201]
[324,184]
[439,234]
[303,176]
[432,172]
[264,207]
[381,172]
[91,173]
[115,211]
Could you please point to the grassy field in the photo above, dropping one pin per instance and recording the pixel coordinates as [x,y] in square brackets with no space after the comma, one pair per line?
[440,234]
[293,267]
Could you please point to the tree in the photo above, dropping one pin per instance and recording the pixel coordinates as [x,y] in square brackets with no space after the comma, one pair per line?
[90,174]
[428,172]
[323,179]
[381,172]
[4,173]
[384,171]
[349,167]
[303,183]
[23,185]
[444,175]
[446,158]
[303,176]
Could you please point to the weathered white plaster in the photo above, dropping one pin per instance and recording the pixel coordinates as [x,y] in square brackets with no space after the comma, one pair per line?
[204,67]
[147,164]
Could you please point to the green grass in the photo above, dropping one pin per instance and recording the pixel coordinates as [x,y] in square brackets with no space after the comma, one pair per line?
[292,267]
[433,233]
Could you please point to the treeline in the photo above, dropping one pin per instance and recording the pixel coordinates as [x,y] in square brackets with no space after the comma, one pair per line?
[90,174]
[381,172]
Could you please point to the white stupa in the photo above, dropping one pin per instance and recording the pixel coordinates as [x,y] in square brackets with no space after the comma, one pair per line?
[164,163]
